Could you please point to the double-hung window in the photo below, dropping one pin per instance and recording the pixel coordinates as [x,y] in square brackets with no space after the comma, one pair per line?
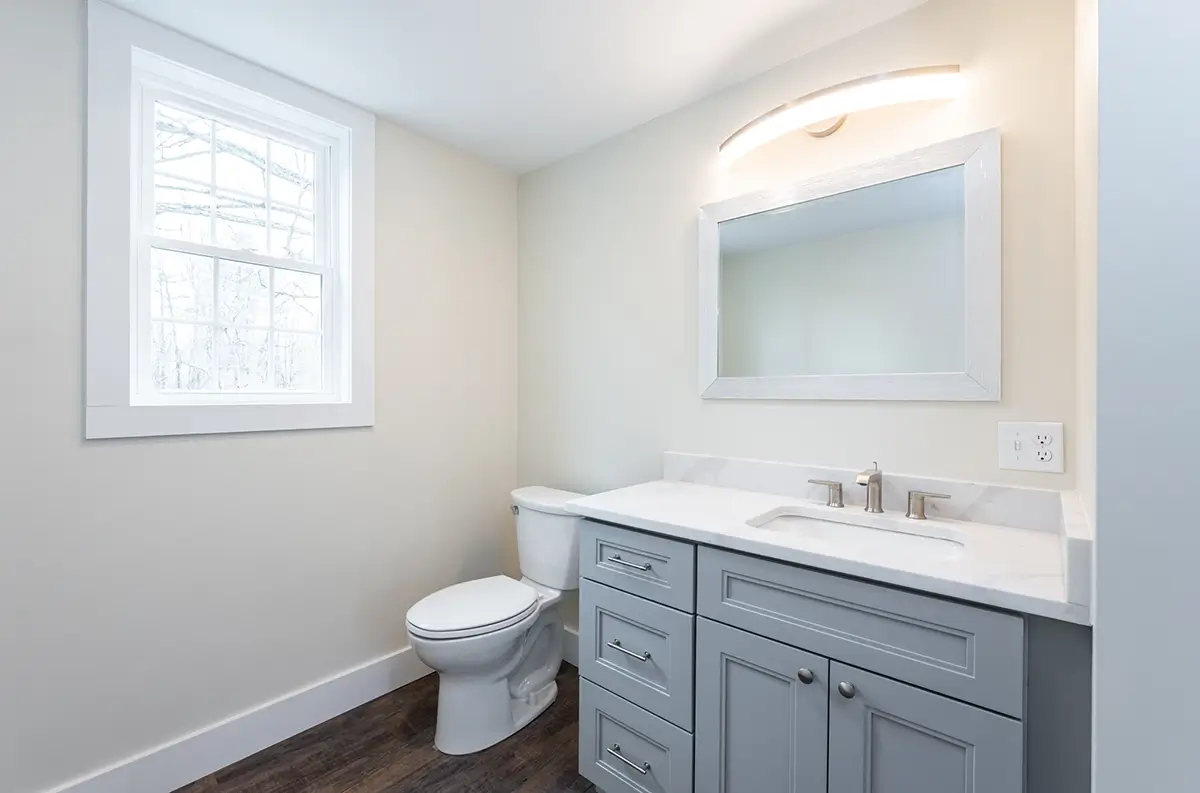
[235,270]
[230,242]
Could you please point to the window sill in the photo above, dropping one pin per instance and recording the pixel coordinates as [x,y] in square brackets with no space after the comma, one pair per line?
[144,421]
[233,398]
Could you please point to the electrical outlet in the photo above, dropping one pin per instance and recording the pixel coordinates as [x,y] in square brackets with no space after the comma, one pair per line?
[1031,446]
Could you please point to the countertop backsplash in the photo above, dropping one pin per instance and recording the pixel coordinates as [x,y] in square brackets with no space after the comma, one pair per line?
[998,505]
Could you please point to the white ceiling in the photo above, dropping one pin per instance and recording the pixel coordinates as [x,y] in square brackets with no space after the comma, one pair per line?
[521,83]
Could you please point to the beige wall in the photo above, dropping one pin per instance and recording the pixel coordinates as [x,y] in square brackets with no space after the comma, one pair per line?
[608,263]
[149,588]
[1086,172]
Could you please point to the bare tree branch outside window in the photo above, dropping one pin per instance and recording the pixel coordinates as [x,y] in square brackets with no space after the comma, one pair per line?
[223,324]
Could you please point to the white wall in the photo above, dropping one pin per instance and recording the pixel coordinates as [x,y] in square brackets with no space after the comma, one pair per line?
[288,556]
[608,263]
[880,300]
[1147,649]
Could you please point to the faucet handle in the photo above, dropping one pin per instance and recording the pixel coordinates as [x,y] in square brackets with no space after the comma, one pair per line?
[916,503]
[834,497]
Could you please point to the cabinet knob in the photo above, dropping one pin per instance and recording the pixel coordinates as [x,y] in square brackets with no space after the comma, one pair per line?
[806,676]
[847,690]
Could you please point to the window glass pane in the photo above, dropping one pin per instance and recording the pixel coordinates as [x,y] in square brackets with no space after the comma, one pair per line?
[243,359]
[181,286]
[291,234]
[298,362]
[182,210]
[291,175]
[241,223]
[181,356]
[241,161]
[245,294]
[224,324]
[181,144]
[297,300]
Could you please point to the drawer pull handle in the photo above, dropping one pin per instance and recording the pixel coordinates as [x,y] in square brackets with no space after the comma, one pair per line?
[616,559]
[616,645]
[847,690]
[615,751]
[806,676]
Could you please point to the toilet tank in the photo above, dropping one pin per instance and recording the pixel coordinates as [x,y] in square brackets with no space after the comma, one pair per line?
[547,536]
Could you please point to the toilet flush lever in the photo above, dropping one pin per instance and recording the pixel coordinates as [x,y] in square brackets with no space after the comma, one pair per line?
[616,559]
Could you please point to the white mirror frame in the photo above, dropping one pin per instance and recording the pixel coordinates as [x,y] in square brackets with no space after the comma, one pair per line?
[980,154]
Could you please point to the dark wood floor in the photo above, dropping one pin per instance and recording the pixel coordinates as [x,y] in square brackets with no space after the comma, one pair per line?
[386,746]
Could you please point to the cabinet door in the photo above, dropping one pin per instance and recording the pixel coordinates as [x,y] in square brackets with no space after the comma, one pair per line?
[887,737]
[760,727]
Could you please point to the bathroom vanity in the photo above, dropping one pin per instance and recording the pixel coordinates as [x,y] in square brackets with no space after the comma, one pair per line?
[720,655]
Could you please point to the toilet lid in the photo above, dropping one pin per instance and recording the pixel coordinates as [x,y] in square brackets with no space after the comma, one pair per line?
[473,607]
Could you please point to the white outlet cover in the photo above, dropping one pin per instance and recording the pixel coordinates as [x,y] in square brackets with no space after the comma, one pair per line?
[1031,446]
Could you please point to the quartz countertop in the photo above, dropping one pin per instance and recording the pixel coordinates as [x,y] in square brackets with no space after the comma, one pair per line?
[1010,568]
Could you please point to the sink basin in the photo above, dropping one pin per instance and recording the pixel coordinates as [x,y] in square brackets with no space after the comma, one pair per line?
[875,534]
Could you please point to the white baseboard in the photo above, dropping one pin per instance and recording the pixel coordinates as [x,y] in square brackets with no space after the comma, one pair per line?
[186,759]
[571,646]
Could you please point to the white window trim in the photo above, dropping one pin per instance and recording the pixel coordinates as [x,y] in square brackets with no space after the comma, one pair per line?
[123,50]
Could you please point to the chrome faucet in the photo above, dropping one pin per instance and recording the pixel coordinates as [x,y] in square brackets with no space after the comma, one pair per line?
[872,480]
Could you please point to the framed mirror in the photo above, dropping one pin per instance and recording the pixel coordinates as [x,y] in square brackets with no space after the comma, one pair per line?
[880,281]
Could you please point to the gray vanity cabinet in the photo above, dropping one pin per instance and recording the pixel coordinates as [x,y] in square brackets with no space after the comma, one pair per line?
[710,671]
[761,714]
[888,736]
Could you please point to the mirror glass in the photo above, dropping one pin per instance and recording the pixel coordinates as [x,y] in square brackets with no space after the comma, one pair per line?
[869,281]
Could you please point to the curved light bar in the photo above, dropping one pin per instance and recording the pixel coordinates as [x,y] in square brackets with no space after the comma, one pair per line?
[879,90]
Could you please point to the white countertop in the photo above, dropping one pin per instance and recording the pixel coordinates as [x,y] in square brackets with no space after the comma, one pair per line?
[1016,569]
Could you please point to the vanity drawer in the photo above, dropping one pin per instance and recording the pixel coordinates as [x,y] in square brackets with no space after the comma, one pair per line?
[624,748]
[638,649]
[654,567]
[969,653]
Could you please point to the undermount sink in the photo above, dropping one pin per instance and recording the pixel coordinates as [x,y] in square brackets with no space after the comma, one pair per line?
[874,533]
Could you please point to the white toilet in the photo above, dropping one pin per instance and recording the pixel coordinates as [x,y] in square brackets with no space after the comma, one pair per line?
[496,643]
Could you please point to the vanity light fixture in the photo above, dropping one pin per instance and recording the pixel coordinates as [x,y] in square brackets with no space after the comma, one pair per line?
[823,112]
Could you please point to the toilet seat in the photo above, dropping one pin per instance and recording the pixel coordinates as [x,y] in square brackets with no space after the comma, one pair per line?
[472,608]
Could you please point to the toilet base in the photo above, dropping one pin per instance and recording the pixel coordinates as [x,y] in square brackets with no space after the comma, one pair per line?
[473,716]
[525,711]
[476,709]
[493,684]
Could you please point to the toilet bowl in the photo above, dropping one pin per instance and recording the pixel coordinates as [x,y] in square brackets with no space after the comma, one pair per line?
[496,642]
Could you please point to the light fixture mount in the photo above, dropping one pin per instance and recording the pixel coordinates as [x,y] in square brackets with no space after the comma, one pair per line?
[823,129]
[823,112]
